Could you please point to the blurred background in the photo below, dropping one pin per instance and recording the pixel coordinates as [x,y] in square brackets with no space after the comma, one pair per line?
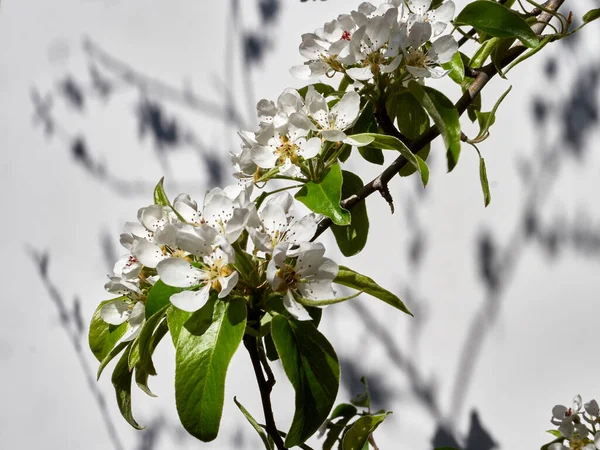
[101,98]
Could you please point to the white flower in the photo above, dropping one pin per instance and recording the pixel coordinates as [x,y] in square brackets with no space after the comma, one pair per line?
[220,212]
[303,272]
[562,414]
[438,18]
[368,42]
[279,226]
[215,273]
[285,149]
[592,408]
[332,123]
[118,312]
[326,48]
[425,64]
[122,286]
[242,161]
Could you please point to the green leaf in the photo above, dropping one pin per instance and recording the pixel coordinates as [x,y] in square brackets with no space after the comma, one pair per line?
[321,88]
[499,52]
[352,238]
[205,347]
[355,280]
[483,52]
[366,124]
[343,410]
[554,433]
[108,358]
[121,380]
[160,197]
[176,318]
[141,376]
[159,296]
[255,425]
[359,432]
[444,115]
[270,349]
[312,367]
[324,197]
[591,15]
[145,340]
[372,154]
[410,116]
[103,337]
[363,399]
[456,68]
[386,142]
[412,122]
[134,353]
[485,186]
[335,429]
[487,119]
[496,20]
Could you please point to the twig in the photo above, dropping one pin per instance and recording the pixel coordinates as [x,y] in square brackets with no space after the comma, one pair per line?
[265,387]
[483,77]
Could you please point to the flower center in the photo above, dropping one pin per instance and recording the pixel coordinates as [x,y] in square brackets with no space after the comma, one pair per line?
[346,35]
[287,150]
[131,261]
[289,276]
[416,58]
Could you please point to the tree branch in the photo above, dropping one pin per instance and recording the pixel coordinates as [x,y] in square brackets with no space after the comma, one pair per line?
[265,387]
[483,77]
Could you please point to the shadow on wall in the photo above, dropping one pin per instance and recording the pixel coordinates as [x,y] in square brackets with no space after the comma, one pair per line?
[574,112]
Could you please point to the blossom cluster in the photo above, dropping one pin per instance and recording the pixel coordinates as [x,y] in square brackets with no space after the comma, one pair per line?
[292,131]
[577,428]
[404,38]
[195,249]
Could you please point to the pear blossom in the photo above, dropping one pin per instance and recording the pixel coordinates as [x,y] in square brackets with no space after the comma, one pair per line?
[368,44]
[303,272]
[215,273]
[332,123]
[277,116]
[122,286]
[439,18]
[423,63]
[278,225]
[592,408]
[562,414]
[287,148]
[242,161]
[118,311]
[220,212]
[327,48]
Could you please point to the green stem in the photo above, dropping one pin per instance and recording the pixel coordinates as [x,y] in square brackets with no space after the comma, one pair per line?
[331,301]
[264,195]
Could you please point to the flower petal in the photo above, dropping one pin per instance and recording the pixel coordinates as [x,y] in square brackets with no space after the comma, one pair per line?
[227,284]
[333,135]
[115,312]
[295,308]
[152,217]
[443,49]
[360,73]
[191,301]
[309,149]
[346,110]
[263,156]
[179,273]
[148,253]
